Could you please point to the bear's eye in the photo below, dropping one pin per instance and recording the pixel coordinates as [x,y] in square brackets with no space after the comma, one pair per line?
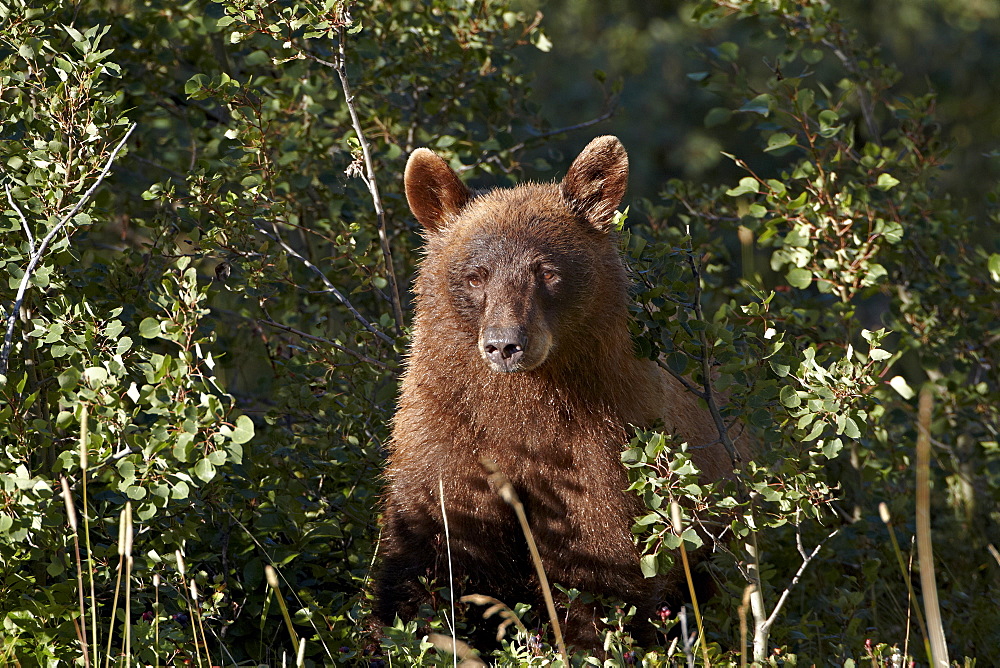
[476,279]
[549,275]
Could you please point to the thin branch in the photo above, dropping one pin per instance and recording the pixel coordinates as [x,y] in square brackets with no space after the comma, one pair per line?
[24,222]
[329,286]
[706,368]
[340,67]
[545,135]
[681,379]
[40,251]
[864,99]
[326,342]
[798,575]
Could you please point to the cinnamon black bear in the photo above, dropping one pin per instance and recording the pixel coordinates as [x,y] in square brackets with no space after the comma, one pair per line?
[521,354]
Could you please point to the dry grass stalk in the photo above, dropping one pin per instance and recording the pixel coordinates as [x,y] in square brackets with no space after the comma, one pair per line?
[272,581]
[457,648]
[883,511]
[506,491]
[743,624]
[84,467]
[496,607]
[675,516]
[182,569]
[81,628]
[925,551]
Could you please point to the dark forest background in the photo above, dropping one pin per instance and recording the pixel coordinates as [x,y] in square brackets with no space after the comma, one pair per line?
[209,256]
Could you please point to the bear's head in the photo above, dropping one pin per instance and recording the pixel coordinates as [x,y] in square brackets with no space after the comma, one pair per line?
[525,273]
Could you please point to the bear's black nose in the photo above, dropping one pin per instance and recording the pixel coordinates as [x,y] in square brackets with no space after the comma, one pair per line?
[504,347]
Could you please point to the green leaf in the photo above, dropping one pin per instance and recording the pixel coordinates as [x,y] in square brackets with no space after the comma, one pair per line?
[780,140]
[827,118]
[717,116]
[812,56]
[149,328]
[123,345]
[781,369]
[886,182]
[832,447]
[899,384]
[748,184]
[243,431]
[205,469]
[790,397]
[180,490]
[728,51]
[994,266]
[677,362]
[878,355]
[692,538]
[196,83]
[799,278]
[648,565]
[816,430]
[761,104]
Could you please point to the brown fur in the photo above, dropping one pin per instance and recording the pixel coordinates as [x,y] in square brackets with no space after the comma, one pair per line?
[537,263]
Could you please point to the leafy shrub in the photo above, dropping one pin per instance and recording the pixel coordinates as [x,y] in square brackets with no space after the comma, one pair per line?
[206,310]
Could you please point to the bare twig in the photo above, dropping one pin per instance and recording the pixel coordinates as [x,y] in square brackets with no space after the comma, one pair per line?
[545,135]
[40,251]
[706,366]
[688,385]
[340,67]
[329,285]
[20,214]
[795,580]
[326,342]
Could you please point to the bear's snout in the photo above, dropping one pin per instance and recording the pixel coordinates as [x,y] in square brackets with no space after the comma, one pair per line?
[503,347]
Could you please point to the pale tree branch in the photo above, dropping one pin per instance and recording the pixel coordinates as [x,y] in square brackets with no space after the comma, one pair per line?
[372,183]
[331,288]
[706,367]
[20,214]
[40,251]
[806,558]
[369,179]
[608,113]
[325,342]
[368,176]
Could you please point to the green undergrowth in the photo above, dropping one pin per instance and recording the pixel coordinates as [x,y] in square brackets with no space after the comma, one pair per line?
[208,256]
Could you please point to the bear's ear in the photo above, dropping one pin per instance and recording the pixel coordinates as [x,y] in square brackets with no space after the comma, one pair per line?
[433,191]
[596,181]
